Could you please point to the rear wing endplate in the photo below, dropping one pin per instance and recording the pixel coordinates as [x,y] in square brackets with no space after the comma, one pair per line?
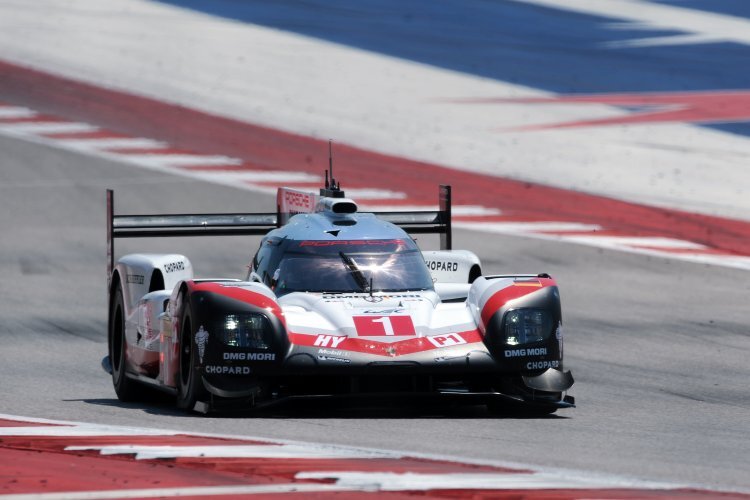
[238,224]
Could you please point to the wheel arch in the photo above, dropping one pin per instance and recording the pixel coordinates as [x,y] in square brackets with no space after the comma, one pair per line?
[157,281]
[474,273]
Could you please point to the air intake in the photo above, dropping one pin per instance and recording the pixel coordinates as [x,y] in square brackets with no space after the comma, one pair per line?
[339,206]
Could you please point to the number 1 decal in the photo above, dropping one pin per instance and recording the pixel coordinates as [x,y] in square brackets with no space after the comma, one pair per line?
[379,326]
[387,326]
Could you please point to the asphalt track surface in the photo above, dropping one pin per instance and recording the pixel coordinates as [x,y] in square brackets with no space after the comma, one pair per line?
[658,347]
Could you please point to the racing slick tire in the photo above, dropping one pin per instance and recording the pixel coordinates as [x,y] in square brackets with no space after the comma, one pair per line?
[127,390]
[190,386]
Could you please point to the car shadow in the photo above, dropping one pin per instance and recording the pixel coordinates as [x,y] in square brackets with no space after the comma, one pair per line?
[159,404]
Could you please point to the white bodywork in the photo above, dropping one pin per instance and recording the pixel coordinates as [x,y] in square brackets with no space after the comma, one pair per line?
[322,314]
[451,266]
[136,271]
[150,323]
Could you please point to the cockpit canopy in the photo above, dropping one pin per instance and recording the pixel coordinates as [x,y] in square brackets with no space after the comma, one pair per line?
[341,266]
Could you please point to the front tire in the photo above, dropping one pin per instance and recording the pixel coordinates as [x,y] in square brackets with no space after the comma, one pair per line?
[125,388]
[190,387]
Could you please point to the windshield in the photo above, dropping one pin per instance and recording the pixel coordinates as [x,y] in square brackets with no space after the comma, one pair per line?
[352,268]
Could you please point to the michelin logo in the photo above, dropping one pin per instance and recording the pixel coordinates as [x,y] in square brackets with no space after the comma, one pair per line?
[201,339]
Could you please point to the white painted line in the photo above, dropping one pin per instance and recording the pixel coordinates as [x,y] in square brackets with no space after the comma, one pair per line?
[374,194]
[38,128]
[100,143]
[528,227]
[636,241]
[627,26]
[16,112]
[734,261]
[317,451]
[706,26]
[391,481]
[177,160]
[458,210]
[659,41]
[196,491]
[474,210]
[257,176]
[82,430]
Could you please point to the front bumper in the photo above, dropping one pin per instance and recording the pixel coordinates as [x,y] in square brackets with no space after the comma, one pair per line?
[542,392]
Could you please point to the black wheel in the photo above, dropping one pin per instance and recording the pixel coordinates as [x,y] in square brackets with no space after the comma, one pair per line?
[190,386]
[126,389]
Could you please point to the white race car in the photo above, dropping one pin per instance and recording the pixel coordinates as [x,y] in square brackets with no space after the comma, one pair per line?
[336,303]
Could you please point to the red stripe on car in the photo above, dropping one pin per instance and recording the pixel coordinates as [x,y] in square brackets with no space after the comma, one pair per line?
[391,349]
[514,291]
[243,295]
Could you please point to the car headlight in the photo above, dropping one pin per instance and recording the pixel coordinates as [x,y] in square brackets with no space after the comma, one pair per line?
[525,326]
[252,331]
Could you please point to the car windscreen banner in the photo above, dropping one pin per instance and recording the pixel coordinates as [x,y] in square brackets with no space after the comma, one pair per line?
[335,247]
[292,201]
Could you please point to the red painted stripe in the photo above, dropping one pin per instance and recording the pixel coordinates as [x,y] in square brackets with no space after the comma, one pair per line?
[34,472]
[33,119]
[193,130]
[288,467]
[36,466]
[21,423]
[41,464]
[58,443]
[658,107]
[682,251]
[245,165]
[94,134]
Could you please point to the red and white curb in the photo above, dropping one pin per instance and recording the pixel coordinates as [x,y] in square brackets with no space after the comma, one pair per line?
[26,123]
[57,460]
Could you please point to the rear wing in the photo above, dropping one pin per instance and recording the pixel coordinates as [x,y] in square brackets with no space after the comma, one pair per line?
[427,222]
[238,224]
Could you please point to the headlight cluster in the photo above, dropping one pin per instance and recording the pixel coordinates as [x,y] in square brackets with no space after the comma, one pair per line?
[525,326]
[251,331]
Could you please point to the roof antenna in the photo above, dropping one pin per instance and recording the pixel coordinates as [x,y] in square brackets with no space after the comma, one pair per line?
[330,162]
[331,189]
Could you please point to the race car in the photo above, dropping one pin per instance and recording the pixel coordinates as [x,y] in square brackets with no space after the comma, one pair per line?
[336,303]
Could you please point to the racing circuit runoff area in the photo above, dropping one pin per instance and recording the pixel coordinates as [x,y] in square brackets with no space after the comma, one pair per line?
[657,343]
